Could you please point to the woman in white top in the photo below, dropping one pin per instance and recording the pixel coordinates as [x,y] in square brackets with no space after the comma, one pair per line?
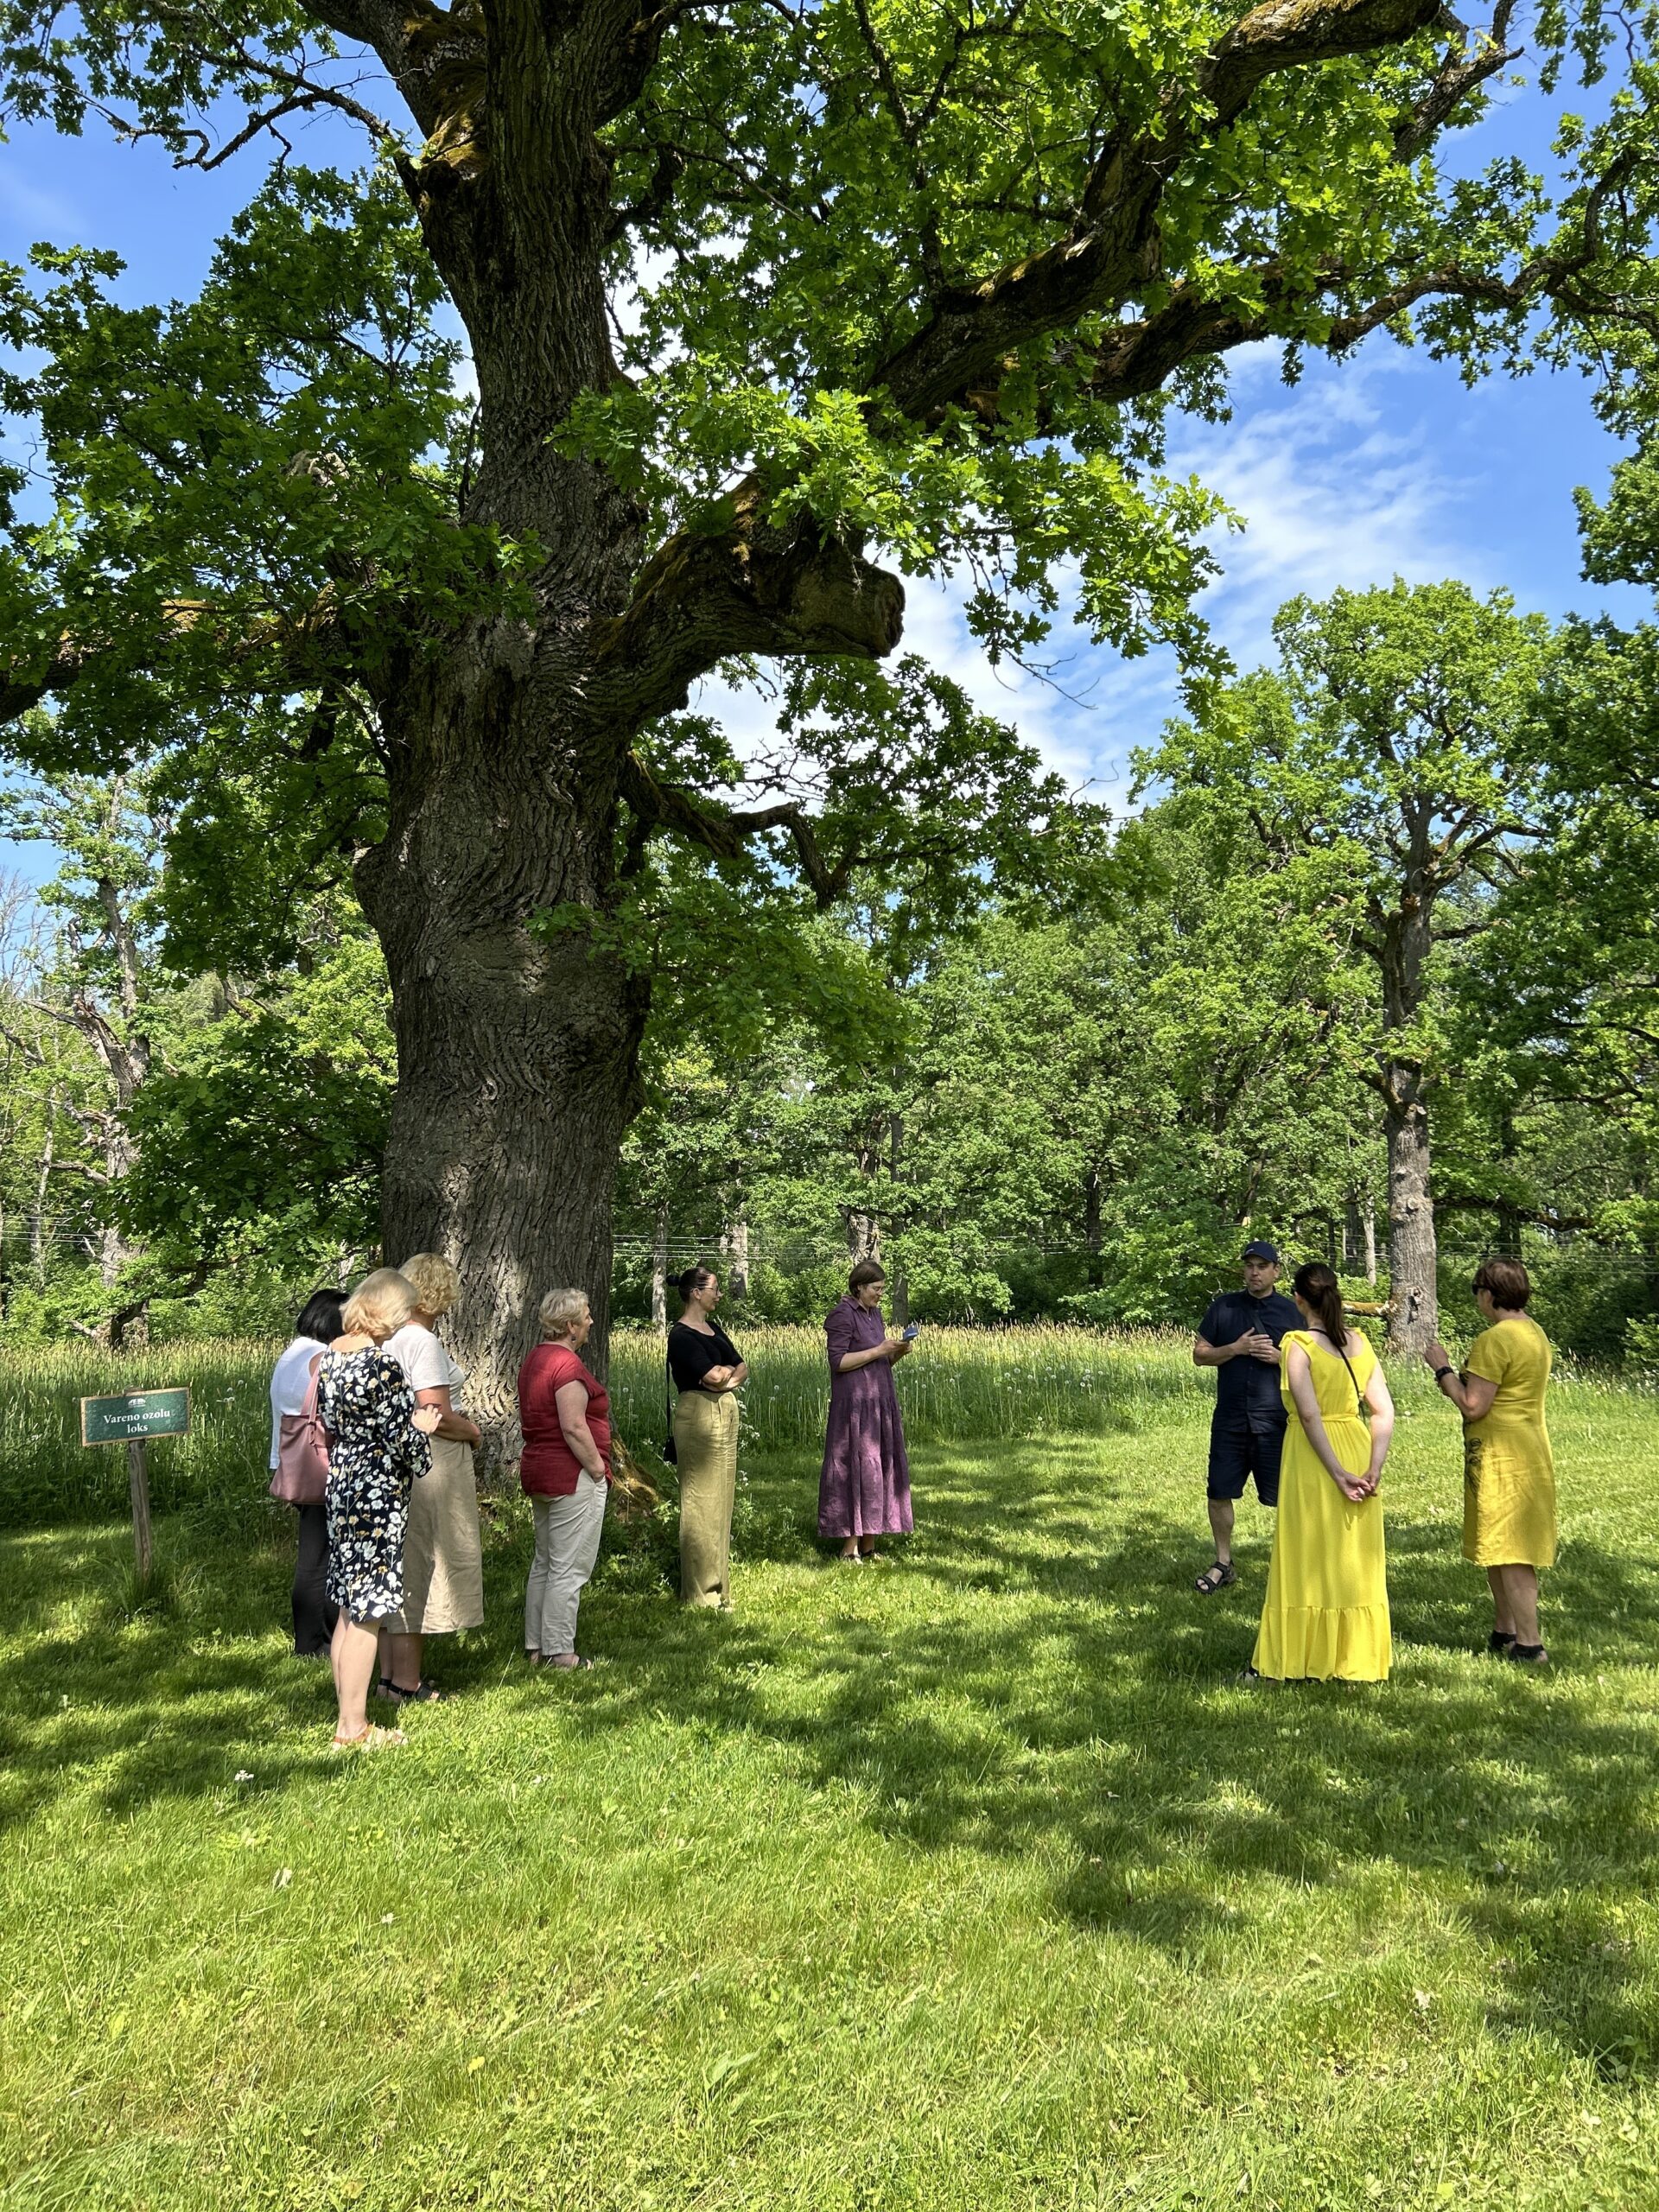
[314,1331]
[443,1552]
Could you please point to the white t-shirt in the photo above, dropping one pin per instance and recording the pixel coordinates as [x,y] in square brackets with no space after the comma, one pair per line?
[290,1385]
[426,1364]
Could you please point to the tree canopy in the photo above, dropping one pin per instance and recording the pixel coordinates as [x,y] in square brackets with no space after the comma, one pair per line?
[770,309]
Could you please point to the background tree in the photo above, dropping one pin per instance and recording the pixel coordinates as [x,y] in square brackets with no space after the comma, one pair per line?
[99,982]
[1385,766]
[967,260]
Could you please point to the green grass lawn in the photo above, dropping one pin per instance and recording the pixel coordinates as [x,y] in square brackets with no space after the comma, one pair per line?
[974,1881]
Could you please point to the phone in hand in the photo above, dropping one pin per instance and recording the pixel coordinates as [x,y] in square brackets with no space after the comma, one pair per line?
[911,1332]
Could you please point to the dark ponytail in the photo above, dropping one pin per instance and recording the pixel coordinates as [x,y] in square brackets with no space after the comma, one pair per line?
[1319,1285]
[693,1279]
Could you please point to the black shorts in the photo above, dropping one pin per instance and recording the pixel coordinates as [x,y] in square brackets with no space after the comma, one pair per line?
[1236,1454]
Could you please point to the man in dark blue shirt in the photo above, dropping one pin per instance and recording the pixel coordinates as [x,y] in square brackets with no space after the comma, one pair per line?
[1239,1337]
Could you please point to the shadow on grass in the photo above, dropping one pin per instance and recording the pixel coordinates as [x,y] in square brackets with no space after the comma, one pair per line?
[165,1695]
[1043,1679]
[1053,1681]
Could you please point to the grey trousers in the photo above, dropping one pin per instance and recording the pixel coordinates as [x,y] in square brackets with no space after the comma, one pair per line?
[566,1544]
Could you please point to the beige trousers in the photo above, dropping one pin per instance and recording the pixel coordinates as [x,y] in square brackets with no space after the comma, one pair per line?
[566,1544]
[705,1439]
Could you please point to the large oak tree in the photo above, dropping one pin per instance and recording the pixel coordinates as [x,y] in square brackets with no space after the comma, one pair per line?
[768,305]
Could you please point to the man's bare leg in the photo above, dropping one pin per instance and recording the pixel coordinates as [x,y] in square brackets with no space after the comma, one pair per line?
[1221,1527]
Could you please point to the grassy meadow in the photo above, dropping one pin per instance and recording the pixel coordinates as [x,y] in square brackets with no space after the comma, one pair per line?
[975,1880]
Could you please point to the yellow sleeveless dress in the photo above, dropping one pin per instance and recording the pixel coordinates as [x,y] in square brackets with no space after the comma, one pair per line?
[1326,1615]
[1509,1469]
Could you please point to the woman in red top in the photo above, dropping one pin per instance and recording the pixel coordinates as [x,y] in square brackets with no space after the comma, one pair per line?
[565,1413]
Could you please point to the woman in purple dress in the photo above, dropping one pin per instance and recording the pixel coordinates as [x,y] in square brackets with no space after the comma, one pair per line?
[864,1490]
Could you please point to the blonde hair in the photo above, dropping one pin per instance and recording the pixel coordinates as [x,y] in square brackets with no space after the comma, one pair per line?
[561,1310]
[381,1303]
[435,1284]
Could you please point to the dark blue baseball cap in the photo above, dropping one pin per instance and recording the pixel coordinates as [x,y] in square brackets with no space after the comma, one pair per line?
[1261,1249]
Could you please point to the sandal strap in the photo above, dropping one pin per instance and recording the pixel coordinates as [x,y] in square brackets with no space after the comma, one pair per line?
[424,1693]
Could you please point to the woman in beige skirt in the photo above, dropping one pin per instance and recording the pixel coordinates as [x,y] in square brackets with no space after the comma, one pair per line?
[707,1370]
[443,1555]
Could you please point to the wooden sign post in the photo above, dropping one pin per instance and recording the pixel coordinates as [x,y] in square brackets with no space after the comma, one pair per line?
[131,1418]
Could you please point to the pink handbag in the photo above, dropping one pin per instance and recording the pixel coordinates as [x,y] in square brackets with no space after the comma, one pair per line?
[301,1475]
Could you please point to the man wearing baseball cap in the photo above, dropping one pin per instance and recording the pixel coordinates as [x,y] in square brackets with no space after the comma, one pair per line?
[1239,1337]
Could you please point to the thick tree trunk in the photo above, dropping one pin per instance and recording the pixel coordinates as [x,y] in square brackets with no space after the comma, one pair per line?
[1413,1319]
[517,1037]
[518,1043]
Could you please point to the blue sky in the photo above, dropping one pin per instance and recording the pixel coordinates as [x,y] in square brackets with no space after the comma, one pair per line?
[1384,465]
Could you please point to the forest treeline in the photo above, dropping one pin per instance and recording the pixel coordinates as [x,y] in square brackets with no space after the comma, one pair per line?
[1370,969]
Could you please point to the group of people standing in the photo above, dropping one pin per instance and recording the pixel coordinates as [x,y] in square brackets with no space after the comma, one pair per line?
[1303,1409]
[366,1398]
[371,1443]
[371,1440]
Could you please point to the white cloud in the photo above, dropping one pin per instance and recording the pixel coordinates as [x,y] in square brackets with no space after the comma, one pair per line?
[1341,481]
[1336,492]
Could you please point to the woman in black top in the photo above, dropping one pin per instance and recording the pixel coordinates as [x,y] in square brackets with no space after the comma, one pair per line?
[707,1370]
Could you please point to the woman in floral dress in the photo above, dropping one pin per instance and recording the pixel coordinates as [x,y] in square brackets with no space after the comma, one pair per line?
[376,1446]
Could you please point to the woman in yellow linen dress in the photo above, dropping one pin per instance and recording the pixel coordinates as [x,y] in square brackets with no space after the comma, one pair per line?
[1509,1469]
[1326,1614]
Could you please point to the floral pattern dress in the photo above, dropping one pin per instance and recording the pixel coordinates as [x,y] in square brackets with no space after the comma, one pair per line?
[374,1454]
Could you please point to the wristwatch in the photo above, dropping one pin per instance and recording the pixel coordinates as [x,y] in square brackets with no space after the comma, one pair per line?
[1440,1373]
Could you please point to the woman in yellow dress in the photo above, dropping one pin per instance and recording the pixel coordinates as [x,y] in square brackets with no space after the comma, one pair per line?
[1509,1469]
[1326,1614]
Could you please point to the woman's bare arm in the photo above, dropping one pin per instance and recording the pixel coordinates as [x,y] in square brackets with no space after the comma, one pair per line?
[1473,1395]
[453,1424]
[1380,1399]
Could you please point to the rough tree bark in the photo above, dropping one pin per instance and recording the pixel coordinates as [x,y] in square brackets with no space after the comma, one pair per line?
[1413,1252]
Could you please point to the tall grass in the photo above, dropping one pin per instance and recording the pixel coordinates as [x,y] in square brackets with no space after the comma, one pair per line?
[959,1385]
[1042,1380]
[47,1475]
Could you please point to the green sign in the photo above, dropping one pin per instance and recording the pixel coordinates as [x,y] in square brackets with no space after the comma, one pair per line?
[134,1414]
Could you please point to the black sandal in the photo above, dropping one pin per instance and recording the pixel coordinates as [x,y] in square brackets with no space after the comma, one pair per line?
[1528,1654]
[424,1693]
[1216,1578]
[1501,1640]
